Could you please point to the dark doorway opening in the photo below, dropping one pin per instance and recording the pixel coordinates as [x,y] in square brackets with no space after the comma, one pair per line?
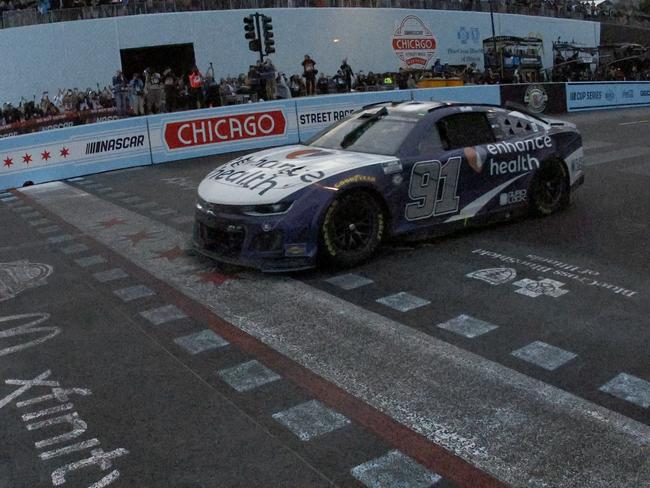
[179,57]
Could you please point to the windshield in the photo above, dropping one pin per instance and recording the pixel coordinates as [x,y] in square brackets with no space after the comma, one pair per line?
[378,133]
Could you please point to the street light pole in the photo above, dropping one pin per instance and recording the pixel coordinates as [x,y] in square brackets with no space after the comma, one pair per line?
[494,39]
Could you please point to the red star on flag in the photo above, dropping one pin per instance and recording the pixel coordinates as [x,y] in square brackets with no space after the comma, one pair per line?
[45,155]
[137,237]
[110,223]
[8,161]
[171,254]
[215,277]
[65,152]
[27,158]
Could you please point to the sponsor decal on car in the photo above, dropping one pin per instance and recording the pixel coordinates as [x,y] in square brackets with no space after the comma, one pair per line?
[512,197]
[475,157]
[307,153]
[224,129]
[414,43]
[295,249]
[522,162]
[262,175]
[391,167]
[354,179]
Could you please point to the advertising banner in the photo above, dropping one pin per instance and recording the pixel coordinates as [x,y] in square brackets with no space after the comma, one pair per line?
[61,121]
[472,94]
[317,113]
[539,98]
[205,132]
[599,95]
[75,151]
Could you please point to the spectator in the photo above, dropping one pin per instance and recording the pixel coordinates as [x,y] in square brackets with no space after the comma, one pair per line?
[283,91]
[410,82]
[120,93]
[212,96]
[136,91]
[437,69]
[296,86]
[323,85]
[169,85]
[339,82]
[47,107]
[347,73]
[267,73]
[153,92]
[196,81]
[184,99]
[309,73]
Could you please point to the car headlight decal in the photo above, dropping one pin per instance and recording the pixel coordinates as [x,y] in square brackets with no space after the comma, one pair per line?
[270,209]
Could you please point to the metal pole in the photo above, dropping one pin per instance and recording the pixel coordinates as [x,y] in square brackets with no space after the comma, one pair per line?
[259,35]
[494,39]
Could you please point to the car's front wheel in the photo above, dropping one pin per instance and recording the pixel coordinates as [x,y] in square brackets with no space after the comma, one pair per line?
[352,229]
[549,190]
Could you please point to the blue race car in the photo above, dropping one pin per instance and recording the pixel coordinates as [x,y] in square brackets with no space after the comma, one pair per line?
[392,169]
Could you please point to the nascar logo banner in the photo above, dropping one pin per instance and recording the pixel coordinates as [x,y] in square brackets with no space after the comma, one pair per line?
[215,131]
[75,151]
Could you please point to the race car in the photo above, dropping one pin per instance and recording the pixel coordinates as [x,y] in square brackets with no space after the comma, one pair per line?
[412,169]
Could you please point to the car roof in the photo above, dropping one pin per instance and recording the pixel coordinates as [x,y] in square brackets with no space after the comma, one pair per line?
[411,107]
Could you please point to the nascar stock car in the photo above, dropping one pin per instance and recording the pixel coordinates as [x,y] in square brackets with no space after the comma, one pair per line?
[391,169]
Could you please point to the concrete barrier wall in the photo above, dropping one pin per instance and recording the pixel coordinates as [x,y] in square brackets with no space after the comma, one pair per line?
[73,151]
[82,150]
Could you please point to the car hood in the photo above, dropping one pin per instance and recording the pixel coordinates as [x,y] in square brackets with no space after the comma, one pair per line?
[269,176]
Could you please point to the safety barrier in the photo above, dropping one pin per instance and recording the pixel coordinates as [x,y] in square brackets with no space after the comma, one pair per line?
[65,153]
[197,133]
[607,94]
[81,150]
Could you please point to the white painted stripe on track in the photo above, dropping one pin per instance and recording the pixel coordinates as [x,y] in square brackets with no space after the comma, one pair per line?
[590,145]
[635,122]
[617,154]
[503,422]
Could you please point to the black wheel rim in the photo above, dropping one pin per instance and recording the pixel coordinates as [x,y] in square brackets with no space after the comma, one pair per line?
[352,226]
[550,187]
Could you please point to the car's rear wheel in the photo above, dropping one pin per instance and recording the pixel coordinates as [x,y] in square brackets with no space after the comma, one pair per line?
[352,229]
[549,190]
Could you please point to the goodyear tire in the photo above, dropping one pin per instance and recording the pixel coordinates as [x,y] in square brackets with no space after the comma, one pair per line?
[549,190]
[352,229]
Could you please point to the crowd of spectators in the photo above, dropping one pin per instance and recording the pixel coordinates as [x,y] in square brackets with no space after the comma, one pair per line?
[151,92]
[83,9]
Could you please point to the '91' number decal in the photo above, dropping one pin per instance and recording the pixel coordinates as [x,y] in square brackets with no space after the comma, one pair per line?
[433,189]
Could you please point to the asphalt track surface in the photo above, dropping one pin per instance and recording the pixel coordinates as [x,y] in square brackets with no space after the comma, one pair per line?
[187,375]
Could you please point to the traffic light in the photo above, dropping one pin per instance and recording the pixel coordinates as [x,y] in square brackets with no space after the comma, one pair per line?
[267,29]
[254,45]
[249,27]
